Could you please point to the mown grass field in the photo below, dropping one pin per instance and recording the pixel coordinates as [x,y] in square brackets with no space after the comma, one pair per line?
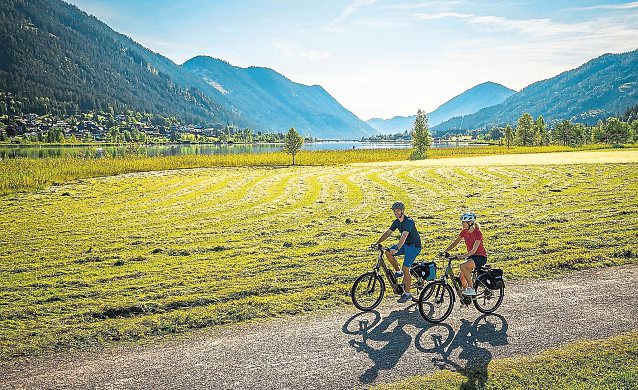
[595,364]
[24,174]
[137,255]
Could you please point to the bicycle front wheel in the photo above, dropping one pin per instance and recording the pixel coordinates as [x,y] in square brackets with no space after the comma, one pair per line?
[367,291]
[436,302]
[487,300]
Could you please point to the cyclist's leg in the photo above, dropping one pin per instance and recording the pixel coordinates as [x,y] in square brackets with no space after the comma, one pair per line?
[411,253]
[479,261]
[466,272]
[392,259]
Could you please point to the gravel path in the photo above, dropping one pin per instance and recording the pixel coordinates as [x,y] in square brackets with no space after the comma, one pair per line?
[347,349]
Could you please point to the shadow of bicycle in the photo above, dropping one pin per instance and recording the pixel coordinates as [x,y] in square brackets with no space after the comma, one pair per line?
[471,341]
[385,341]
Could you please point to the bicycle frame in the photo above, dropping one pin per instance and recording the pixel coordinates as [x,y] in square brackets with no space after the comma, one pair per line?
[396,287]
[450,279]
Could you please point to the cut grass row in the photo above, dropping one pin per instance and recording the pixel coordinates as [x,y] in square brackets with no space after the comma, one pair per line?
[595,364]
[133,256]
[22,174]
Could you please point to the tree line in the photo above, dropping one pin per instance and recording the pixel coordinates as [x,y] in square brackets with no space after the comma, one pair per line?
[535,132]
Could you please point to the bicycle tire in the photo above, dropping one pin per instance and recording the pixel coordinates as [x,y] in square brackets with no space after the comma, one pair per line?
[436,295]
[487,300]
[364,281]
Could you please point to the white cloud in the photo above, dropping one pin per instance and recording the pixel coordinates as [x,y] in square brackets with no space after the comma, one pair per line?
[353,7]
[424,4]
[356,5]
[441,15]
[612,6]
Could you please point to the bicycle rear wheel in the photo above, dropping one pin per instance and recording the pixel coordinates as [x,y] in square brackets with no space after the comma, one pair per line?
[436,302]
[487,300]
[367,291]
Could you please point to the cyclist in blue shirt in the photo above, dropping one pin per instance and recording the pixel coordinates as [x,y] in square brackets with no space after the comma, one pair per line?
[409,246]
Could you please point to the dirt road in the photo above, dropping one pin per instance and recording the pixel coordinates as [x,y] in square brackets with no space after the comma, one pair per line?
[347,349]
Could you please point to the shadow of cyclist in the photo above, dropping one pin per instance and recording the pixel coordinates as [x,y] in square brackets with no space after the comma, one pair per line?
[488,328]
[394,339]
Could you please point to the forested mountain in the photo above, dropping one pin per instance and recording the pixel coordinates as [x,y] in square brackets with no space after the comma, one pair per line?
[603,87]
[58,59]
[483,95]
[274,102]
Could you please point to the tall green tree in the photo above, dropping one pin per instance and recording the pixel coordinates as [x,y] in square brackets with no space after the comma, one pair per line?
[541,131]
[526,130]
[509,135]
[495,133]
[616,132]
[562,134]
[421,139]
[634,130]
[598,133]
[292,143]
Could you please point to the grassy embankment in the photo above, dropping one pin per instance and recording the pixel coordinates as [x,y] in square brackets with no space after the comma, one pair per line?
[130,257]
[34,174]
[599,364]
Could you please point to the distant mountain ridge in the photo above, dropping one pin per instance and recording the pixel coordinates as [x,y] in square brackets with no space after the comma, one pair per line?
[478,97]
[602,87]
[57,59]
[275,103]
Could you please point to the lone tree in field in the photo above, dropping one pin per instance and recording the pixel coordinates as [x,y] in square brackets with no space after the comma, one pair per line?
[421,139]
[292,143]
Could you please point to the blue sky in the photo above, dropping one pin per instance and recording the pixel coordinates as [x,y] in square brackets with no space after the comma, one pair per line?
[383,58]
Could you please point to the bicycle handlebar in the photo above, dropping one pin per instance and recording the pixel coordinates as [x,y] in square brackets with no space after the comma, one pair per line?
[379,247]
[446,255]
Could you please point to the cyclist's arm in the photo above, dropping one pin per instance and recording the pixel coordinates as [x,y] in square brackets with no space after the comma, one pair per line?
[453,244]
[384,236]
[404,236]
[474,249]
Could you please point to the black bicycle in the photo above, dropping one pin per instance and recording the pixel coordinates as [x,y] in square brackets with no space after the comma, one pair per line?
[368,290]
[437,298]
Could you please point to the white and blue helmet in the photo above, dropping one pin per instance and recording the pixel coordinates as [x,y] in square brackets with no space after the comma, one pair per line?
[468,217]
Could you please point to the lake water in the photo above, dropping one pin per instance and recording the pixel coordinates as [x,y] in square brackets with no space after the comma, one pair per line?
[179,150]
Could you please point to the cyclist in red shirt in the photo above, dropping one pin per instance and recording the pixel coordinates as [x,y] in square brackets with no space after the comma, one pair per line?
[476,256]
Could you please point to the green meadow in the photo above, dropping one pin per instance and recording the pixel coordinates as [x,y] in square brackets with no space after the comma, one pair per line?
[138,255]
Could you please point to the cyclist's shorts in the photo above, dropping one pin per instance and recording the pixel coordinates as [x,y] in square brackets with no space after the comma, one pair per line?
[479,260]
[410,252]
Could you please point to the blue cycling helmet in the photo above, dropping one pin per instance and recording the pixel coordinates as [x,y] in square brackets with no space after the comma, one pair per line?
[468,217]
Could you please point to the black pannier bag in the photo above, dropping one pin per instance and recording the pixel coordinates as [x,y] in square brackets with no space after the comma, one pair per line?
[424,270]
[493,278]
